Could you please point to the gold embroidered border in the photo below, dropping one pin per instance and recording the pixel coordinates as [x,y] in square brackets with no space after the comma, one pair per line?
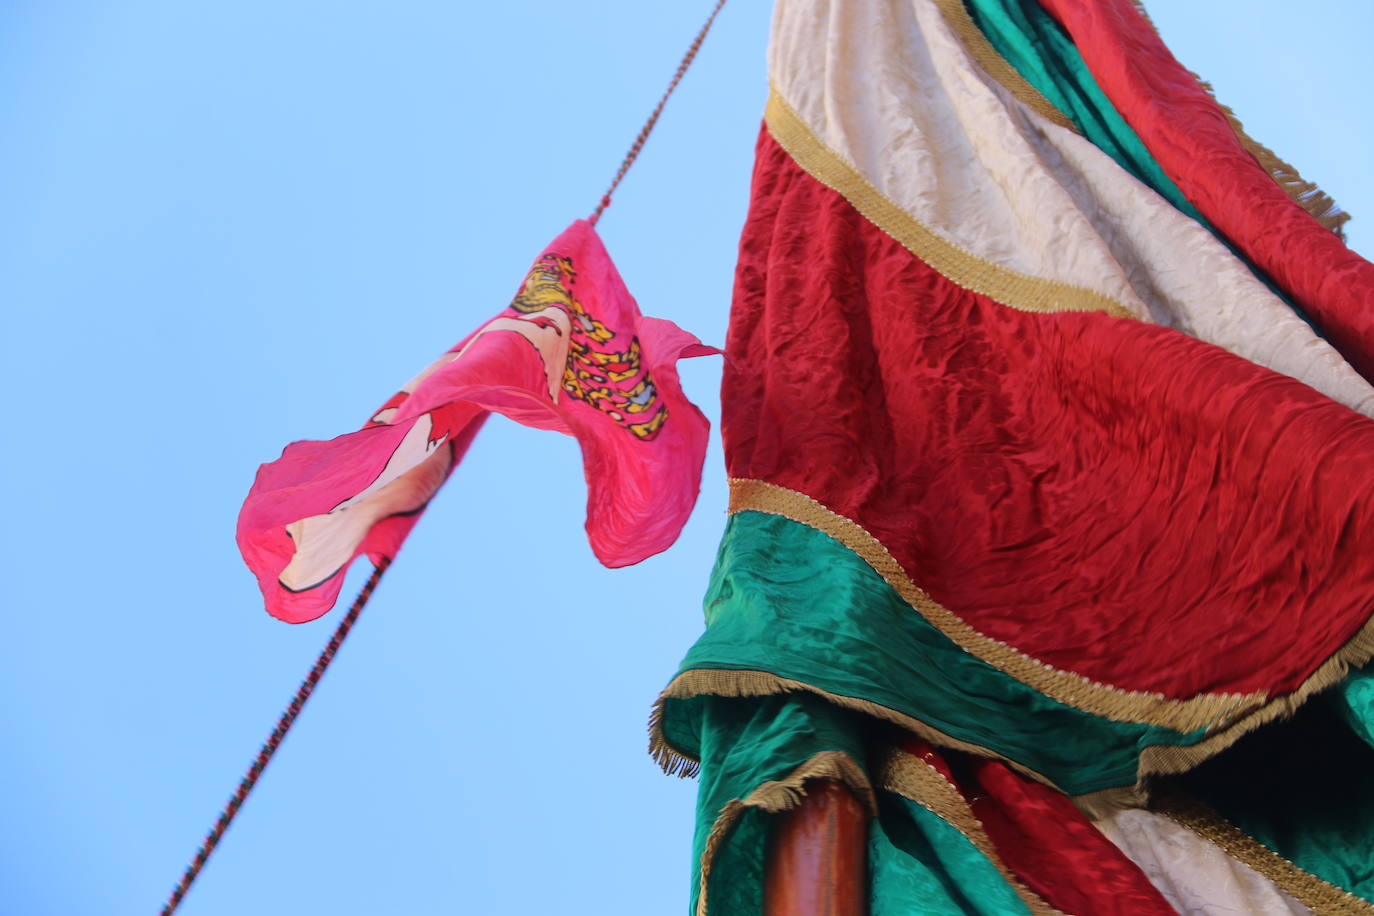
[1075,690]
[912,778]
[1230,716]
[1321,897]
[776,796]
[1320,205]
[963,268]
[996,66]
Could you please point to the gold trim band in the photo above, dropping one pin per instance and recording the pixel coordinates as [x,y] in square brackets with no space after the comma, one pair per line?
[963,268]
[1171,759]
[996,66]
[1321,897]
[912,778]
[1204,711]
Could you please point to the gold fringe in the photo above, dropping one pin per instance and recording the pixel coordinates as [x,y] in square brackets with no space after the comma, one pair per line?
[1075,690]
[1144,14]
[996,66]
[1319,896]
[778,795]
[961,267]
[673,761]
[725,822]
[1305,194]
[912,778]
[1165,760]
[732,682]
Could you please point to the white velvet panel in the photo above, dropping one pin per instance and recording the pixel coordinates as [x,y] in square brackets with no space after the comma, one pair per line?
[884,84]
[889,87]
[1196,877]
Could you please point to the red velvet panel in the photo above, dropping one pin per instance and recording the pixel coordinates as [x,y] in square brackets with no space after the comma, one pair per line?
[1114,498]
[1047,843]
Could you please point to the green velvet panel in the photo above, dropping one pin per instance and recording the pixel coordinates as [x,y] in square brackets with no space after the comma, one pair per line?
[917,862]
[789,600]
[1038,48]
[1305,789]
[1353,699]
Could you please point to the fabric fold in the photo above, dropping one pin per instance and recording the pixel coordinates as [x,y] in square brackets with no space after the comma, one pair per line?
[1193,140]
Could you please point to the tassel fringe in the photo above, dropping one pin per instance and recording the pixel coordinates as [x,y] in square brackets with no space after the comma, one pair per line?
[1304,193]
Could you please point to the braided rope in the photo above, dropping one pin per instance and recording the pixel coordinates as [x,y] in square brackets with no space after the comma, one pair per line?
[274,740]
[653,118]
[307,687]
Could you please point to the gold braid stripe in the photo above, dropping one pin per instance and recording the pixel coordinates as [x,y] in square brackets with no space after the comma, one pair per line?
[1319,896]
[912,778]
[1075,690]
[779,795]
[996,66]
[963,268]
[1305,194]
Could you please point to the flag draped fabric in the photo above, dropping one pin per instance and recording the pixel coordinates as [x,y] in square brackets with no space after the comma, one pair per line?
[570,353]
[1052,479]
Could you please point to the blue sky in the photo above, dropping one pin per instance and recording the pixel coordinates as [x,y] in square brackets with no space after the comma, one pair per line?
[226,226]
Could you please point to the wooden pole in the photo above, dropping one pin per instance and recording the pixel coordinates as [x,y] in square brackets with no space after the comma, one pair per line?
[817,856]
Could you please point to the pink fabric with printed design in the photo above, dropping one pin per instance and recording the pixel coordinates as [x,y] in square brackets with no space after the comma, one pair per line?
[572,353]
